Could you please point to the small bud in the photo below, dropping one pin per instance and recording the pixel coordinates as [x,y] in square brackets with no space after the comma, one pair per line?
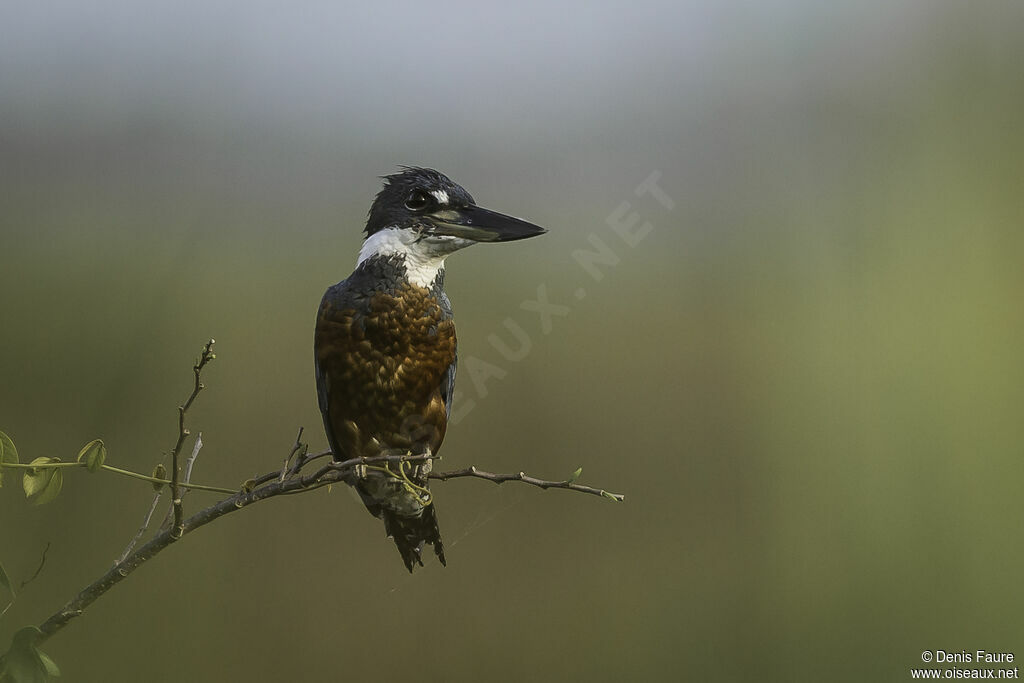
[159,472]
[93,454]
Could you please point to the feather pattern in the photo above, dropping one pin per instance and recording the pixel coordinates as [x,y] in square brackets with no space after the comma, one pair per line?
[385,352]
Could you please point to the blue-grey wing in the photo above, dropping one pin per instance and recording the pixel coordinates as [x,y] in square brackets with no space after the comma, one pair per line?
[323,383]
[448,385]
[448,381]
[322,400]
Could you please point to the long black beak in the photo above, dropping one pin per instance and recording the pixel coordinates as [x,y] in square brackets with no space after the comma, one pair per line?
[481,225]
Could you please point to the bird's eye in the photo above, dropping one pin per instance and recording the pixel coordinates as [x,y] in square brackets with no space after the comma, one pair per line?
[417,201]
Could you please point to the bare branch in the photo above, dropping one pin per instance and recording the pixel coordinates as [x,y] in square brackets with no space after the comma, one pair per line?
[190,463]
[331,473]
[328,474]
[297,447]
[288,480]
[264,478]
[310,458]
[197,370]
[526,479]
[142,529]
[186,483]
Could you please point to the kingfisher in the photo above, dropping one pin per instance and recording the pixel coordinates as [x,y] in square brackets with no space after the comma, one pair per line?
[385,349]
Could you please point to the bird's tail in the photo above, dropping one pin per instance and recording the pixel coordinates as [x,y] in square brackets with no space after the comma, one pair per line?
[411,533]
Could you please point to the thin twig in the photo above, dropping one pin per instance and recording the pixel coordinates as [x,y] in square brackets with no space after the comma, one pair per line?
[297,447]
[187,484]
[142,529]
[157,480]
[14,596]
[116,470]
[42,561]
[306,459]
[190,463]
[264,478]
[197,369]
[526,479]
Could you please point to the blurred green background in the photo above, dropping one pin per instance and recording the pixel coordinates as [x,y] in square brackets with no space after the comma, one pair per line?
[807,378]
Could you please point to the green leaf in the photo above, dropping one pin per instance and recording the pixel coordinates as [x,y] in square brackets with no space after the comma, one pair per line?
[159,472]
[5,581]
[25,637]
[8,453]
[52,670]
[93,454]
[575,475]
[52,489]
[22,666]
[44,484]
[35,481]
[24,663]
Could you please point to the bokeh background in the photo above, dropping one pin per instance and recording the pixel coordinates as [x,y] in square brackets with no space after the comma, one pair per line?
[807,377]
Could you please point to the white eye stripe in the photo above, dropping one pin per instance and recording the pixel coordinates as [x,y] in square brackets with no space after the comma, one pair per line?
[441,196]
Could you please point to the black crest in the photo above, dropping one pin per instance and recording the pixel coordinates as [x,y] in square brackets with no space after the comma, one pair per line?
[407,195]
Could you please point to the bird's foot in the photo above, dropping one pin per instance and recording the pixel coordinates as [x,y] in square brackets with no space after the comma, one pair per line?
[421,469]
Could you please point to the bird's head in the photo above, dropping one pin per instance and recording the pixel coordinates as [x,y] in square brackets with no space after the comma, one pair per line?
[421,214]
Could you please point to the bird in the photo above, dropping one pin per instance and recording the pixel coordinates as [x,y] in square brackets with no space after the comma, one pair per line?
[385,350]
